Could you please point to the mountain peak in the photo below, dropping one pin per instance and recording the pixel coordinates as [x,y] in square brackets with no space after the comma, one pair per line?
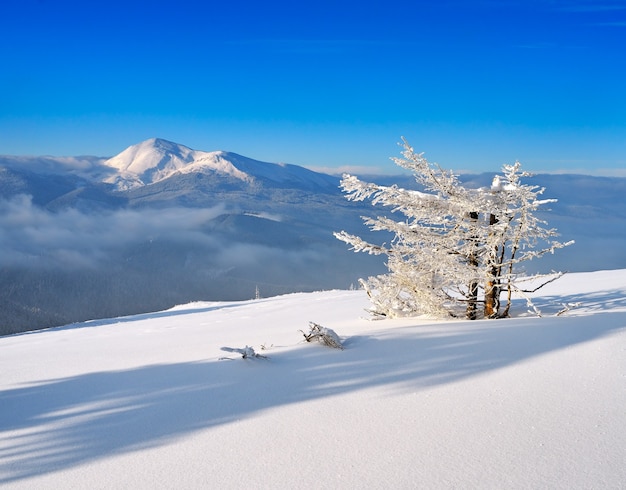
[157,159]
[148,154]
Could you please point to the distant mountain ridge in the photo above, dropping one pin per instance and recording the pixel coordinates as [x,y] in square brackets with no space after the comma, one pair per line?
[156,159]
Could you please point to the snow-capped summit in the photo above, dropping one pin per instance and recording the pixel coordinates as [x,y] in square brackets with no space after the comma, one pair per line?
[157,159]
[151,154]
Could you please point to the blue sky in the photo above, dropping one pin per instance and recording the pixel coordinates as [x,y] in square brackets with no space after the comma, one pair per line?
[322,84]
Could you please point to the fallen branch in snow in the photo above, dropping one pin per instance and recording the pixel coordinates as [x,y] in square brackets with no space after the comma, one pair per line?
[246,353]
[567,307]
[323,335]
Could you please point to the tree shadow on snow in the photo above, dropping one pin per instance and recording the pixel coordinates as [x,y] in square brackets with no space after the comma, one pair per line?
[58,424]
[583,303]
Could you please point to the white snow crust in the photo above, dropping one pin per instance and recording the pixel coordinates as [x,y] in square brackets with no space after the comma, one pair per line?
[144,402]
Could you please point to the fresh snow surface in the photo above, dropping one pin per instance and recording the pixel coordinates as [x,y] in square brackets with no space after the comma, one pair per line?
[146,402]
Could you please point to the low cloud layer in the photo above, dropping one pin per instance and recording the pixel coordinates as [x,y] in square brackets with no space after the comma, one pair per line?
[30,235]
[73,265]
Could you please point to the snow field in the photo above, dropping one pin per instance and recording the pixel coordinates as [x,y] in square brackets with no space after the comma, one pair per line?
[145,402]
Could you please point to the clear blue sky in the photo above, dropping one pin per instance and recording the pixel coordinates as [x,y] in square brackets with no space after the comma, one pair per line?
[325,83]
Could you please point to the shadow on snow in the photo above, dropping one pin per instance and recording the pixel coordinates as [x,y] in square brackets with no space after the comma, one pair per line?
[58,424]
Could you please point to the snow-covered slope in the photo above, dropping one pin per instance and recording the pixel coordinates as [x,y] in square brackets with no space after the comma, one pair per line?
[145,402]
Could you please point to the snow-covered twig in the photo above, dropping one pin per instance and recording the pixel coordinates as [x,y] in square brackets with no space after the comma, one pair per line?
[557,275]
[567,307]
[323,335]
[246,353]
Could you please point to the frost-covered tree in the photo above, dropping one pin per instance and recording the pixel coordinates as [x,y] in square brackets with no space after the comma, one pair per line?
[452,248]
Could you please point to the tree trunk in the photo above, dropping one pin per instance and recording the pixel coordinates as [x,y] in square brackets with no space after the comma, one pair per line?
[472,301]
[492,285]
[472,293]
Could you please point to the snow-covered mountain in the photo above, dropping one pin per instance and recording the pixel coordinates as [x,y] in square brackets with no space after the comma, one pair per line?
[156,159]
[152,161]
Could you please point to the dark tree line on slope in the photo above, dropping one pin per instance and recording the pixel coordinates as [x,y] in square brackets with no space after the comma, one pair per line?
[453,248]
